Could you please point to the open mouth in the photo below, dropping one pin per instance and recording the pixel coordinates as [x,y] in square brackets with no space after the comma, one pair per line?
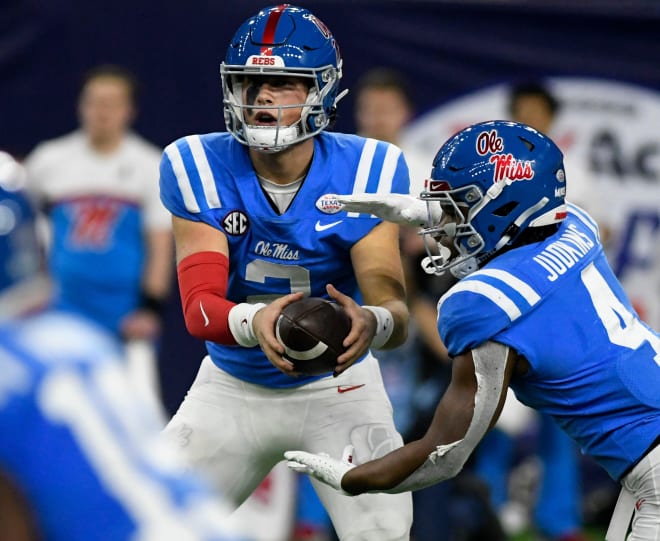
[264,118]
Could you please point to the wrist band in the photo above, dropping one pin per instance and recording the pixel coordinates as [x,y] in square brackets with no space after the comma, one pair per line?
[240,323]
[151,303]
[384,325]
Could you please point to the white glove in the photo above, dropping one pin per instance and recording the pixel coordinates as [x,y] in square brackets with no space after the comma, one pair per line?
[392,207]
[328,470]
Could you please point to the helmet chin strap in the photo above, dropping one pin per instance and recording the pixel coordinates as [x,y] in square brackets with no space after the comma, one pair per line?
[430,264]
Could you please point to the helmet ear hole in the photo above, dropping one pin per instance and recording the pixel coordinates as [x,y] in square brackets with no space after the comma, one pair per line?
[530,146]
[506,209]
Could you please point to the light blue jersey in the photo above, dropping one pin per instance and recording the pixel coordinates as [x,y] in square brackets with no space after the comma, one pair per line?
[595,366]
[85,452]
[97,257]
[209,178]
[101,209]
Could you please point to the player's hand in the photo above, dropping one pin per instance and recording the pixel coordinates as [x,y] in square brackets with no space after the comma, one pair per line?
[393,207]
[264,328]
[363,328]
[320,466]
[140,325]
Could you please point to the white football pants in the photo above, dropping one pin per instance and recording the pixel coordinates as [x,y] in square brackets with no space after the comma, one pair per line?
[234,432]
[639,499]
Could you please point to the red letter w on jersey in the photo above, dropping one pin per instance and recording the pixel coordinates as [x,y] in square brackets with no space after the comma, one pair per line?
[93,222]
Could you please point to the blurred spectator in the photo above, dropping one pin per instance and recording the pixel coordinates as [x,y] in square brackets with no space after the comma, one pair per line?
[384,105]
[81,455]
[110,244]
[533,104]
[557,506]
[416,374]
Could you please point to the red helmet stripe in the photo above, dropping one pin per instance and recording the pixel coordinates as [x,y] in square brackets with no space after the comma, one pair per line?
[271,25]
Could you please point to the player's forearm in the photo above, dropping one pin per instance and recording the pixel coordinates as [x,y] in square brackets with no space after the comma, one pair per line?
[387,473]
[159,264]
[203,286]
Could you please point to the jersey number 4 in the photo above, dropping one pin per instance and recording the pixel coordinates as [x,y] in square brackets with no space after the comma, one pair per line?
[623,327]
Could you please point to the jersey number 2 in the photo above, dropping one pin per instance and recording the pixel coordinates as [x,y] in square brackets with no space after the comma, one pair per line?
[297,276]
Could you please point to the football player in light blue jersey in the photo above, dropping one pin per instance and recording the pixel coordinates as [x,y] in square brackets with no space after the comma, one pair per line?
[78,446]
[254,233]
[536,307]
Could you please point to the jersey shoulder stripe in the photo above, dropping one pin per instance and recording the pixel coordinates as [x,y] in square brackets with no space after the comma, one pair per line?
[482,305]
[390,162]
[509,280]
[193,173]
[505,291]
[376,169]
[587,220]
[206,176]
[183,181]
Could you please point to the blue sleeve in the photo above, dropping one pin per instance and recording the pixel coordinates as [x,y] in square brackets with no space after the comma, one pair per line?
[170,192]
[401,180]
[86,451]
[467,320]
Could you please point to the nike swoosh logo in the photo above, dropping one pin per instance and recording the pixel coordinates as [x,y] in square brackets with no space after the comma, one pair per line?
[346,388]
[206,318]
[322,227]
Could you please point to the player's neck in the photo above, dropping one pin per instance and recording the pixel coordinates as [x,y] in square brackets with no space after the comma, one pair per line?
[286,166]
[105,144]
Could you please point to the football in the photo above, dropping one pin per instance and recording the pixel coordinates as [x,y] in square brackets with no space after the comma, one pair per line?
[312,331]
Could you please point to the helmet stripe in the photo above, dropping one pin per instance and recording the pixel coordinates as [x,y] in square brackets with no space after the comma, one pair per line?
[271,26]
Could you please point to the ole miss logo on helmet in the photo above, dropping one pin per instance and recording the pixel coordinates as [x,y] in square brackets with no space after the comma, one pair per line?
[506,166]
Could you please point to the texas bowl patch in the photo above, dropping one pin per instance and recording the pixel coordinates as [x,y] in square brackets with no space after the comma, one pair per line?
[328,204]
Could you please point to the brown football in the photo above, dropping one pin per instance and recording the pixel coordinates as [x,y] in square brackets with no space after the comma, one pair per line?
[312,331]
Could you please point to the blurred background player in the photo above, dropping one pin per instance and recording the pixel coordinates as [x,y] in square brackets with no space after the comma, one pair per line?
[110,251]
[556,512]
[417,373]
[82,455]
[537,308]
[247,233]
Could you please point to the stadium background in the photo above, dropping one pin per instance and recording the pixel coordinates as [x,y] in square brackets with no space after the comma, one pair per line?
[459,55]
[446,47]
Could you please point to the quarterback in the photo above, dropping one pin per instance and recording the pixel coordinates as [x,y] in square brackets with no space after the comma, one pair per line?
[251,237]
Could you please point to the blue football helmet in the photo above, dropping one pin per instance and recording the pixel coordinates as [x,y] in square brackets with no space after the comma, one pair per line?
[493,180]
[288,41]
[20,256]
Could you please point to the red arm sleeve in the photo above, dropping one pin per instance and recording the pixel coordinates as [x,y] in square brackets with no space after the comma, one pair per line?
[203,285]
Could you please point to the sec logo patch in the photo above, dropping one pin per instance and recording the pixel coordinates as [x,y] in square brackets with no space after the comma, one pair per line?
[235,223]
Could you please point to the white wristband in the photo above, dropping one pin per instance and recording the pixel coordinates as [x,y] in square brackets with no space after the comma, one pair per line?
[240,323]
[384,325]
